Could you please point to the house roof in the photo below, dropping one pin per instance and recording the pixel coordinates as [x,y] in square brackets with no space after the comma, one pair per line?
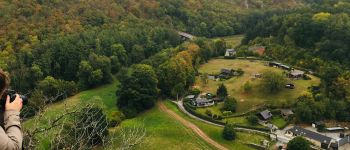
[202,100]
[226,70]
[190,96]
[285,66]
[230,50]
[186,35]
[297,72]
[266,114]
[310,134]
[287,112]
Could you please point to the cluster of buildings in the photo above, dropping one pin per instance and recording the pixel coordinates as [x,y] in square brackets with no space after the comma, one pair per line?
[293,73]
[225,73]
[203,100]
[260,50]
[319,140]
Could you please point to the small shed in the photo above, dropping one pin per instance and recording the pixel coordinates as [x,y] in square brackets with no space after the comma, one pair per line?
[226,71]
[296,73]
[265,115]
[230,53]
[318,123]
[286,113]
[190,97]
[285,67]
[290,86]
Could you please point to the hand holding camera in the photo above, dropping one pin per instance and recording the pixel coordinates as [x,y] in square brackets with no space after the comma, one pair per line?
[13,101]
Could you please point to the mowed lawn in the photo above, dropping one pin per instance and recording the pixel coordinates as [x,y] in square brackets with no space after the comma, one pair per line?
[215,132]
[257,97]
[103,96]
[232,41]
[164,132]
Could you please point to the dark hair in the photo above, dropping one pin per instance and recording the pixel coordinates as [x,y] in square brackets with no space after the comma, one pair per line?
[4,82]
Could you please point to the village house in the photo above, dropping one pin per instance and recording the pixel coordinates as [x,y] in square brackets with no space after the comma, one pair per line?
[286,113]
[190,97]
[226,73]
[202,102]
[257,49]
[317,139]
[185,36]
[296,74]
[265,115]
[230,53]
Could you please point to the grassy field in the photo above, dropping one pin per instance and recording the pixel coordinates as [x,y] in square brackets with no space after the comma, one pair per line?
[163,132]
[232,41]
[214,132]
[103,96]
[257,96]
[278,121]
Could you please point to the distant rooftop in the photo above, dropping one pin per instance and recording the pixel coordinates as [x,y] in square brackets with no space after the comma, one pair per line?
[310,134]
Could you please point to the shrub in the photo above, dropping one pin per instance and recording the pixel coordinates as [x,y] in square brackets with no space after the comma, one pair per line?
[209,113]
[229,132]
[298,143]
[253,119]
[195,91]
[230,105]
[247,87]
[227,113]
[240,72]
[115,118]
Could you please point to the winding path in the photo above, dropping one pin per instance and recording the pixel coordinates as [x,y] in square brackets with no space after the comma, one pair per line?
[190,125]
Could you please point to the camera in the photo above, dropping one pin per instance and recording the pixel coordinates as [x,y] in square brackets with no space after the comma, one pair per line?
[12,95]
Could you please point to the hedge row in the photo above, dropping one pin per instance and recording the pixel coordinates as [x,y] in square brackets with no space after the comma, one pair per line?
[207,118]
[253,128]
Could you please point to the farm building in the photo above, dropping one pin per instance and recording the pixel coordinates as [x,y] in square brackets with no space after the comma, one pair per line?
[265,115]
[190,97]
[186,36]
[286,113]
[296,74]
[230,53]
[315,138]
[202,102]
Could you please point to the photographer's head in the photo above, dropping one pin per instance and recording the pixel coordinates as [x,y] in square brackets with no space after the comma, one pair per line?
[4,82]
[17,102]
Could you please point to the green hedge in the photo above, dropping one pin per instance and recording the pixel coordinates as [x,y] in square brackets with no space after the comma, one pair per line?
[251,127]
[207,118]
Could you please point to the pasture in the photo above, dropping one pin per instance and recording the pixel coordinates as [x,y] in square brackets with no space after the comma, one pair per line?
[257,96]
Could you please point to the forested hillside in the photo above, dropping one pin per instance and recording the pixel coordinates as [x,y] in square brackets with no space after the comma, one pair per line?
[53,49]
[316,38]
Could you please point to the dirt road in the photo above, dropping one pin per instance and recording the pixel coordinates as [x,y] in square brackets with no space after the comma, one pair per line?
[190,125]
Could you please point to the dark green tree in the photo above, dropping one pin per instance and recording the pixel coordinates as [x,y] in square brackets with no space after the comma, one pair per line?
[229,132]
[222,91]
[298,143]
[138,90]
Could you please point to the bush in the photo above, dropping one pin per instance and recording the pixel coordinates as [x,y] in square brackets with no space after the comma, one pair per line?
[247,87]
[253,119]
[298,143]
[115,118]
[230,105]
[195,91]
[209,113]
[306,77]
[227,113]
[240,72]
[229,132]
[202,116]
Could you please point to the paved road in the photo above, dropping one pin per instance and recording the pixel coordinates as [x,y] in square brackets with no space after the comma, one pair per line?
[190,125]
[180,105]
